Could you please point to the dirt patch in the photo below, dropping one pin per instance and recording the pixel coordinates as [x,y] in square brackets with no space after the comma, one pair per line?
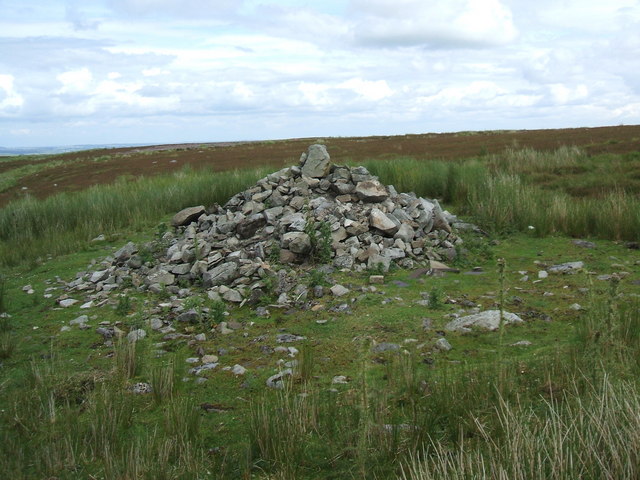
[94,167]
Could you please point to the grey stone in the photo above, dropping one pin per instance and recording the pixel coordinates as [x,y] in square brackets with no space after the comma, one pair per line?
[339,290]
[443,345]
[203,368]
[380,221]
[187,215]
[277,381]
[371,191]
[405,233]
[124,253]
[99,276]
[181,269]
[82,319]
[190,316]
[220,275]
[385,347]
[297,242]
[135,335]
[232,296]
[162,278]
[67,302]
[250,225]
[487,320]
[569,267]
[288,338]
[238,370]
[317,162]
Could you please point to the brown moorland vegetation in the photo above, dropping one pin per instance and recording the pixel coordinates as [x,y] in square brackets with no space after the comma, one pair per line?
[81,170]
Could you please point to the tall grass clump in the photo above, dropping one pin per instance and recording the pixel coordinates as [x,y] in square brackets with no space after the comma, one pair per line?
[590,436]
[32,228]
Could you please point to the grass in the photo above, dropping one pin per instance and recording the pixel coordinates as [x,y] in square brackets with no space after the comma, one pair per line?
[70,221]
[564,407]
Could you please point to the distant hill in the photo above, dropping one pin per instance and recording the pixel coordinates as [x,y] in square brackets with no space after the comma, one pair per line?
[4,151]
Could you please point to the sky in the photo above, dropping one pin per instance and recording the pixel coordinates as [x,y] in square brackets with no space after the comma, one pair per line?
[166,71]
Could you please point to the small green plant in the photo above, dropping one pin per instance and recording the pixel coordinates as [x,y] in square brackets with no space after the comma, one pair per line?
[323,247]
[377,269]
[317,278]
[436,298]
[320,238]
[217,311]
[124,306]
[274,253]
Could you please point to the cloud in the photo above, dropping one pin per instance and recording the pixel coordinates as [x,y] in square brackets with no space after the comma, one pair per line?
[176,8]
[436,24]
[10,99]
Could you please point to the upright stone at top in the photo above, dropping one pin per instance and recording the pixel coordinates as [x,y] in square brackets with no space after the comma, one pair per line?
[316,163]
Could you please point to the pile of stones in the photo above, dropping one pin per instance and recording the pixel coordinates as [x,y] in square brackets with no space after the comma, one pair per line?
[289,217]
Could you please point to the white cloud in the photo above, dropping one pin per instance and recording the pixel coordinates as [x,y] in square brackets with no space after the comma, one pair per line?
[438,23]
[10,99]
[170,69]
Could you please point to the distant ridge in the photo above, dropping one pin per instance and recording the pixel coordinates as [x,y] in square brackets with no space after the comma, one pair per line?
[4,151]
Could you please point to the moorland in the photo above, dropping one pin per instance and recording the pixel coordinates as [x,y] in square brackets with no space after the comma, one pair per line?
[556,396]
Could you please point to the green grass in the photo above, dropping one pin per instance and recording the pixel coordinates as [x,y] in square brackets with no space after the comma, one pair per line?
[564,407]
[31,228]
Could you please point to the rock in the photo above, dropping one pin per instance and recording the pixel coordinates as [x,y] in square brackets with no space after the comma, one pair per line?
[316,162]
[141,388]
[203,368]
[187,215]
[288,338]
[99,276]
[297,242]
[584,244]
[162,278]
[376,279]
[209,359]
[569,267]
[405,233]
[238,370]
[250,225]
[155,324]
[543,274]
[371,191]
[522,343]
[135,335]
[339,290]
[575,306]
[487,320]
[190,316]
[443,345]
[82,319]
[232,296]
[67,302]
[382,222]
[125,252]
[65,328]
[385,347]
[339,379]
[220,275]
[277,381]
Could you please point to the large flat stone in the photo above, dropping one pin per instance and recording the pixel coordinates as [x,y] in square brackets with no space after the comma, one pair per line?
[187,215]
